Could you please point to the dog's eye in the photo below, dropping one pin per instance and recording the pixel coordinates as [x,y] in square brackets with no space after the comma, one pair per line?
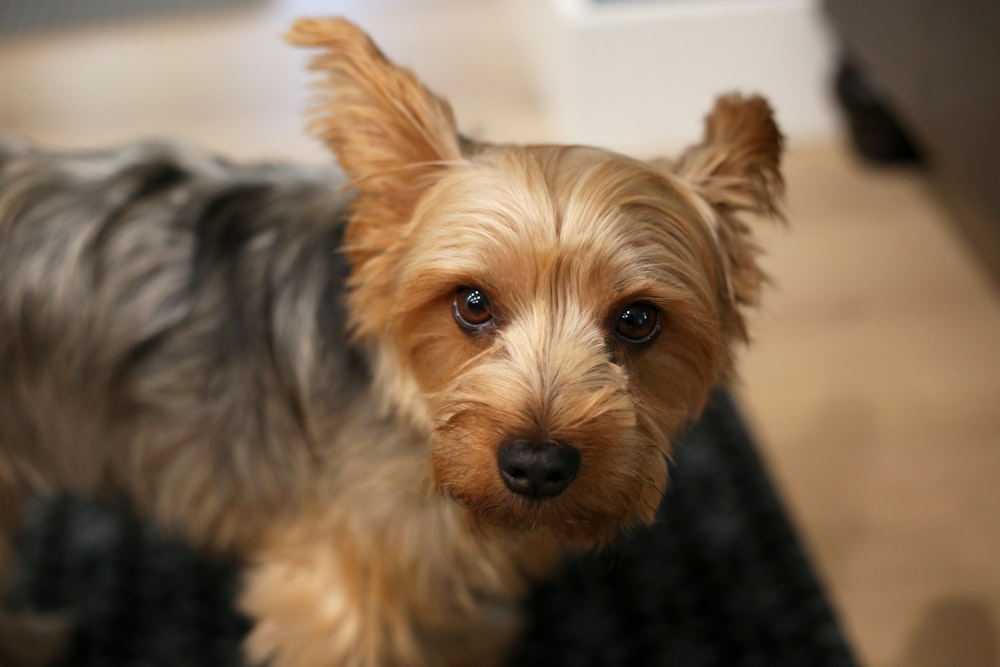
[638,323]
[471,309]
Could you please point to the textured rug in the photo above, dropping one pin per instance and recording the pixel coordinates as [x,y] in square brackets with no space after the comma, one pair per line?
[719,581]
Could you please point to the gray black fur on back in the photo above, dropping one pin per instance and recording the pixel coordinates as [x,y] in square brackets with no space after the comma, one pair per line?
[170,323]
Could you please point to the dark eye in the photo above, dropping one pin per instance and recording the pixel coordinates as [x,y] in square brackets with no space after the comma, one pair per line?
[638,323]
[471,309]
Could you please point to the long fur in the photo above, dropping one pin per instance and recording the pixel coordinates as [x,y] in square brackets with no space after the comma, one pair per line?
[181,317]
[266,358]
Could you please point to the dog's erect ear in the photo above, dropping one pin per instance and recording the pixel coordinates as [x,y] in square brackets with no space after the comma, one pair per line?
[392,137]
[384,126]
[737,164]
[736,169]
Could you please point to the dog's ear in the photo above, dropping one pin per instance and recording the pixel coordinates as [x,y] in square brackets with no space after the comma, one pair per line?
[385,127]
[737,164]
[392,136]
[736,169]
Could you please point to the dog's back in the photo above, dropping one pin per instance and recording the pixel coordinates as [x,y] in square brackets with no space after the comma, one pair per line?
[166,321]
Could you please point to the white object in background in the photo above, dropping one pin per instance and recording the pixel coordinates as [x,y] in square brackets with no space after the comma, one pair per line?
[641,74]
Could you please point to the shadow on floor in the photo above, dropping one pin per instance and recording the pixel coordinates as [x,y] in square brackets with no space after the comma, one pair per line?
[954,632]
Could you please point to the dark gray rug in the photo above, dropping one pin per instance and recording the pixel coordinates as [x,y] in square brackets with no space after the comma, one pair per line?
[719,581]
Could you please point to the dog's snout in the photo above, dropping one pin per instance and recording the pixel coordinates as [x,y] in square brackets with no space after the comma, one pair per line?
[537,469]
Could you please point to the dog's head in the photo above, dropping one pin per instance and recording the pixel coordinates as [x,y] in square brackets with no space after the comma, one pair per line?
[551,314]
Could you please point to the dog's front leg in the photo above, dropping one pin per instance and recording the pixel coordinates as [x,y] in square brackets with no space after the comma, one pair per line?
[388,579]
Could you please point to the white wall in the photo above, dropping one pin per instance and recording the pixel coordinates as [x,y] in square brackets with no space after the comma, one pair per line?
[635,74]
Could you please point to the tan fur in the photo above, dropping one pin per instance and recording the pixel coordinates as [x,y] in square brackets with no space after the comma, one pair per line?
[382,573]
[376,525]
[736,168]
[560,237]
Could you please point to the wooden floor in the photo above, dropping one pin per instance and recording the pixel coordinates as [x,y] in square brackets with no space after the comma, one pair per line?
[874,383]
[873,388]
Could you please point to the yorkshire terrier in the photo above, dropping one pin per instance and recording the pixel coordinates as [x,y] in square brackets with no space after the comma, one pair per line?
[398,390]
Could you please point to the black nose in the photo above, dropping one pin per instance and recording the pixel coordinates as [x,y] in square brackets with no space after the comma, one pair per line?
[537,469]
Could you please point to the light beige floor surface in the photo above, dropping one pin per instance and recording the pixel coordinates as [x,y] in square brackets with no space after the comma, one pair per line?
[874,384]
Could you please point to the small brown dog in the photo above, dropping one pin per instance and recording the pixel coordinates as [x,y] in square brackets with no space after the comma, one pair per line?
[398,402]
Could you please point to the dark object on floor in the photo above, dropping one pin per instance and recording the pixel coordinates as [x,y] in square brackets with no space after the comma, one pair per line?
[935,65]
[719,581]
[874,131]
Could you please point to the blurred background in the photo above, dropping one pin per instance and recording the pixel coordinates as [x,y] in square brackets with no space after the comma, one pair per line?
[873,383]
